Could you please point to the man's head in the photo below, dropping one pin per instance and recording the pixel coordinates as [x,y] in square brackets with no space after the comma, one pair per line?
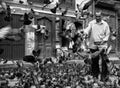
[98,16]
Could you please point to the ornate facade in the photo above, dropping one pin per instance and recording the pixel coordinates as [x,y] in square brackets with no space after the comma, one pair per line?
[53,22]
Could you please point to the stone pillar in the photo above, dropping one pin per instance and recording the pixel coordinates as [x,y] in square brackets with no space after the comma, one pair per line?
[30,38]
[117,8]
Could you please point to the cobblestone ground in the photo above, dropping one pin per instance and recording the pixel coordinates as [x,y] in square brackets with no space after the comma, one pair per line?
[71,74]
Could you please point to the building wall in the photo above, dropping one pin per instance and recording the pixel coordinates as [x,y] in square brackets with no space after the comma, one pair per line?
[22,8]
[17,8]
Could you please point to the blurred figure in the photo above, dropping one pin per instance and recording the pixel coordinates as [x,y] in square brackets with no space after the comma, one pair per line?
[4,31]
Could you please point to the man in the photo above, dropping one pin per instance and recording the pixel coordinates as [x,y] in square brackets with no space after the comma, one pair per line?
[98,32]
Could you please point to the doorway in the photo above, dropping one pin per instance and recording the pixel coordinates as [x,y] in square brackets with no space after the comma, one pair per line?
[46,45]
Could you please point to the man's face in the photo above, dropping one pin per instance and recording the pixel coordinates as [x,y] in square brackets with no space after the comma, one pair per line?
[98,17]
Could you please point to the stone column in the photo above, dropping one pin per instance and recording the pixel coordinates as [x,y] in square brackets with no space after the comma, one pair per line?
[30,38]
[117,8]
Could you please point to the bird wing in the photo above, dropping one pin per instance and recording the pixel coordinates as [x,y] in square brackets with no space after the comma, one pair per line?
[4,31]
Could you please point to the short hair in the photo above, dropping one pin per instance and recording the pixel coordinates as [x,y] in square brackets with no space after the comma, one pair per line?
[98,13]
